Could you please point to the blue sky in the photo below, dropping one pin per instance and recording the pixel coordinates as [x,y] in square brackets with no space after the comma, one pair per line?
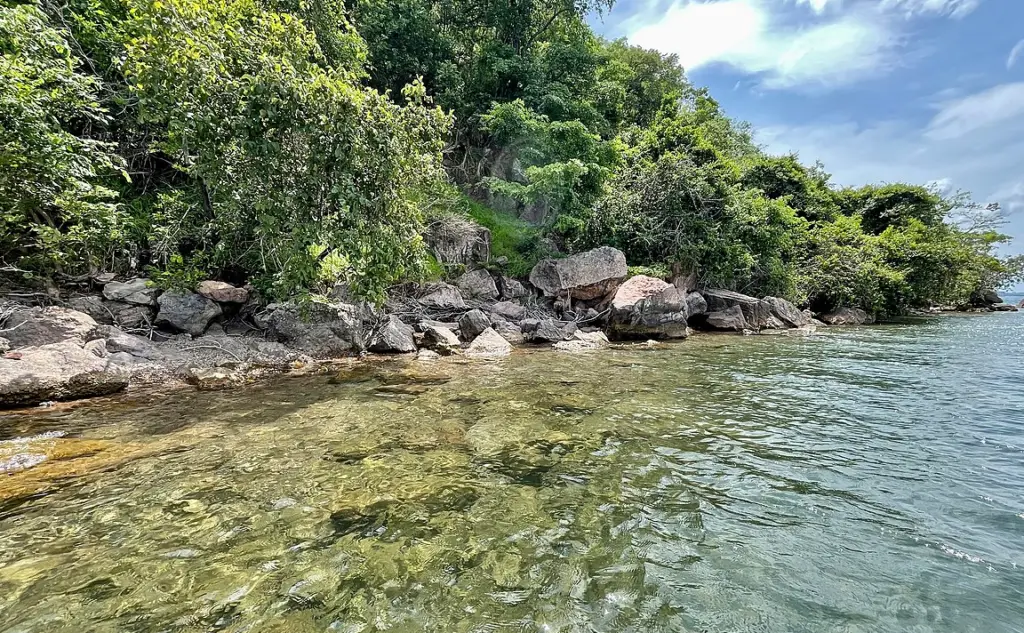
[878,90]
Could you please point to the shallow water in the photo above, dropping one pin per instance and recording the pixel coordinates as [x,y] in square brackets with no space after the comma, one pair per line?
[867,479]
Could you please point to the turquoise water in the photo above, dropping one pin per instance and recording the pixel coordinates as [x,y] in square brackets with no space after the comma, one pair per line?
[869,479]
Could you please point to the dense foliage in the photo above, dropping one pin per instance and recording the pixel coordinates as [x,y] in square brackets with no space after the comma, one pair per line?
[291,144]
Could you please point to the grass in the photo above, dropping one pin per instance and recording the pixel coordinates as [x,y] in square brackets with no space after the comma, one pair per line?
[511,237]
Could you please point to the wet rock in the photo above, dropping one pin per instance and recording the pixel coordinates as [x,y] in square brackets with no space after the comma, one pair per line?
[137,291]
[645,307]
[775,323]
[508,310]
[731,319]
[478,284]
[222,292]
[34,327]
[322,330]
[489,344]
[510,332]
[586,276]
[1002,307]
[546,331]
[473,323]
[443,296]
[393,336]
[58,371]
[186,312]
[755,311]
[786,312]
[847,316]
[581,341]
[440,339]
[427,355]
[213,378]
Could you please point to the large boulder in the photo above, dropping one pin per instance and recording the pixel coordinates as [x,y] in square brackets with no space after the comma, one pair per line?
[33,327]
[847,316]
[755,311]
[222,292]
[137,291]
[730,319]
[510,288]
[141,349]
[393,336]
[489,344]
[455,240]
[186,312]
[786,312]
[443,296]
[57,371]
[95,307]
[585,277]
[645,307]
[510,332]
[472,324]
[440,339]
[322,330]
[478,284]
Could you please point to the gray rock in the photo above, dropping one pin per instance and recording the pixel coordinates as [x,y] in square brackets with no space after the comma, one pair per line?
[393,336]
[427,355]
[786,312]
[421,326]
[322,330]
[1002,307]
[489,344]
[186,312]
[508,310]
[990,297]
[120,342]
[546,331]
[581,341]
[34,327]
[731,319]
[440,339]
[95,307]
[472,324]
[222,292]
[97,348]
[5,345]
[586,276]
[510,332]
[648,308]
[695,304]
[443,296]
[511,289]
[103,279]
[847,316]
[131,317]
[755,311]
[57,371]
[478,284]
[137,291]
[456,240]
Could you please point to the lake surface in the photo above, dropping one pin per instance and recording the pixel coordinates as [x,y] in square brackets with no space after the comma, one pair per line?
[867,479]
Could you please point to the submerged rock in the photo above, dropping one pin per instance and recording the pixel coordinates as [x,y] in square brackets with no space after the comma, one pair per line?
[186,312]
[489,344]
[58,371]
[393,336]
[847,316]
[645,307]
[586,276]
[581,341]
[137,291]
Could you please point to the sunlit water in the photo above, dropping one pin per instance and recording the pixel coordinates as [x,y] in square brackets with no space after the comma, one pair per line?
[867,479]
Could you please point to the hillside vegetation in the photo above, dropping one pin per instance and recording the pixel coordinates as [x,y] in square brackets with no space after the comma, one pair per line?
[290,144]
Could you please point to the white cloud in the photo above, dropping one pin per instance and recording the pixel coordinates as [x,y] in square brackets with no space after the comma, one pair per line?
[996,106]
[912,8]
[1015,54]
[981,159]
[749,36]
[819,6]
